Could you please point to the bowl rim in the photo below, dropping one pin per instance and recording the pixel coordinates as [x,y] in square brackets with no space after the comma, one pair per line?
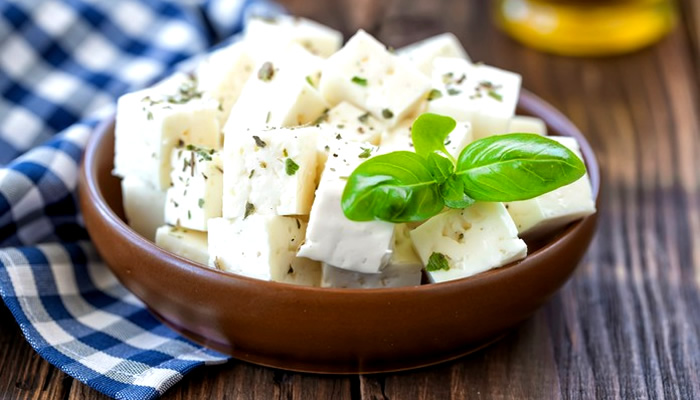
[528,102]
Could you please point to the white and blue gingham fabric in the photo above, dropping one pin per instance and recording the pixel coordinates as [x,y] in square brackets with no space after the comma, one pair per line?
[62,66]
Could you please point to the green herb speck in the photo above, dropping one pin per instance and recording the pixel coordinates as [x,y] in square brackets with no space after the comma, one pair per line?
[387,113]
[249,209]
[365,152]
[436,262]
[200,203]
[434,94]
[363,118]
[266,72]
[259,142]
[290,167]
[359,81]
[495,95]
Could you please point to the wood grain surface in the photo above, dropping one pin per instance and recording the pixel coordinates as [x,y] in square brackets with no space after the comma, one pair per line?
[626,326]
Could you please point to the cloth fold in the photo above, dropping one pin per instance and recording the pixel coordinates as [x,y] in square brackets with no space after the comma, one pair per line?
[62,66]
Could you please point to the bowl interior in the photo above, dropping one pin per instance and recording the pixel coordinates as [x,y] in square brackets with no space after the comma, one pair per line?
[344,330]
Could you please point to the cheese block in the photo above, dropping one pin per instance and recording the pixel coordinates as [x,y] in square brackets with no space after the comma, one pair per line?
[391,276]
[272,172]
[399,138]
[151,122]
[423,53]
[525,124]
[404,268]
[469,241]
[186,243]
[267,35]
[222,74]
[262,247]
[197,185]
[483,95]
[281,93]
[546,213]
[144,206]
[365,74]
[333,238]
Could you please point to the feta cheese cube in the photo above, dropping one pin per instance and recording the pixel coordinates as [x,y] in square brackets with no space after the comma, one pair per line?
[195,197]
[186,243]
[144,206]
[333,238]
[262,247]
[266,36]
[423,53]
[151,122]
[280,93]
[486,96]
[390,276]
[551,211]
[524,124]
[222,74]
[365,74]
[404,268]
[347,122]
[473,240]
[399,138]
[272,172]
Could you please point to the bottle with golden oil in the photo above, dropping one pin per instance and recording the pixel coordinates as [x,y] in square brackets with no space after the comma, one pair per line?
[586,27]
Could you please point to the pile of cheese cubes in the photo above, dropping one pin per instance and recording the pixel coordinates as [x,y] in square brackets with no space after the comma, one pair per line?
[241,165]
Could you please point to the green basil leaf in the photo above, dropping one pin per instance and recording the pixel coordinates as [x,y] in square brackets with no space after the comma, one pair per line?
[429,132]
[516,166]
[440,167]
[452,192]
[395,187]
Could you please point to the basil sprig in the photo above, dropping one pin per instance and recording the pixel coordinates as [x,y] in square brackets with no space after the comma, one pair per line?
[403,186]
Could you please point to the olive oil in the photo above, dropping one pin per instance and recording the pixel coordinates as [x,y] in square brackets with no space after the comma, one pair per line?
[586,27]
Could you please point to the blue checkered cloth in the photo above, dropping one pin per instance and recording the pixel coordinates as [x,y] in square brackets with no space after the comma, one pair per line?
[62,66]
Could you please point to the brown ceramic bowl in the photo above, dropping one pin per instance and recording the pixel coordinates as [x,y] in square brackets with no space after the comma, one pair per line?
[328,330]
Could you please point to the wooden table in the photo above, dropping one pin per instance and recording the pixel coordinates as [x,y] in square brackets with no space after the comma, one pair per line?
[626,326]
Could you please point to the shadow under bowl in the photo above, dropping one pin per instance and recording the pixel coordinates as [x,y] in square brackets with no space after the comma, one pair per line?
[329,330]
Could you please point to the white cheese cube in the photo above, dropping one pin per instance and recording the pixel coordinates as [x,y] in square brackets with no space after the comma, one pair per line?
[272,172]
[473,240]
[525,124]
[186,243]
[333,238]
[423,53]
[262,247]
[197,187]
[269,35]
[391,276]
[347,122]
[544,214]
[222,74]
[486,96]
[404,268]
[399,138]
[151,122]
[365,74]
[143,205]
[280,93]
